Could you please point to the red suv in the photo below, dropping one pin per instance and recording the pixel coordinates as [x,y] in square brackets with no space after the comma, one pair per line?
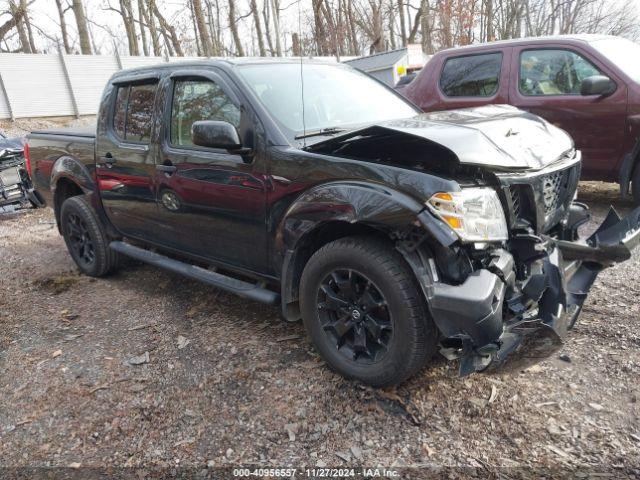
[589,85]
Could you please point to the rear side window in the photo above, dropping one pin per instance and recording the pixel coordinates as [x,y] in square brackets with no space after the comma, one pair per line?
[553,72]
[472,75]
[195,100]
[134,112]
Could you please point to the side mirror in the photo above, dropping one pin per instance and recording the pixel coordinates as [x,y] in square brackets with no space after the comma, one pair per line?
[597,85]
[216,134]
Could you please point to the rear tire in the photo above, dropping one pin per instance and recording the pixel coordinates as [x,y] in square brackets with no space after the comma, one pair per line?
[364,312]
[86,239]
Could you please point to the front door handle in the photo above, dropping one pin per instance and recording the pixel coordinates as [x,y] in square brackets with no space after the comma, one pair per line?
[166,168]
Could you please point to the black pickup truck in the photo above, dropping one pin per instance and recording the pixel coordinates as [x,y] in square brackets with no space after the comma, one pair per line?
[389,232]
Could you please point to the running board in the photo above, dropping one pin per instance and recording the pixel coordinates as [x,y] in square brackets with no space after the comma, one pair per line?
[239,287]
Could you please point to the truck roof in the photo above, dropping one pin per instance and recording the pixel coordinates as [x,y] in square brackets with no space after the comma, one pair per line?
[225,63]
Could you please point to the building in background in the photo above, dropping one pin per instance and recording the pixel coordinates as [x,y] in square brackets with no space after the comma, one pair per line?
[388,67]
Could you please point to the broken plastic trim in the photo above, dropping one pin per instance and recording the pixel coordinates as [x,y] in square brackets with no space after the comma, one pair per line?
[611,243]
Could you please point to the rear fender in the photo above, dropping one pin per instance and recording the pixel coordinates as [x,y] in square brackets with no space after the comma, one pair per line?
[73,170]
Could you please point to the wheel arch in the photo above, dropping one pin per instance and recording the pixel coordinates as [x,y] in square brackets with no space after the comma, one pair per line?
[630,164]
[339,210]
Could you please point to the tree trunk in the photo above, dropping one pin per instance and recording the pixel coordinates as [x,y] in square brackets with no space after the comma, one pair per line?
[81,22]
[153,31]
[214,29]
[143,33]
[19,13]
[403,25]
[234,28]
[27,22]
[126,13]
[168,31]
[256,21]
[275,7]
[266,17]
[295,45]
[63,28]
[205,39]
[489,20]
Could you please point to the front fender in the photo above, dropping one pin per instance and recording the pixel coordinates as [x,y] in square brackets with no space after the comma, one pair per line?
[351,202]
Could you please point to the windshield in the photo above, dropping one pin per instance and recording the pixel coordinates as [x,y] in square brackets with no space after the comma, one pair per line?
[623,53]
[335,96]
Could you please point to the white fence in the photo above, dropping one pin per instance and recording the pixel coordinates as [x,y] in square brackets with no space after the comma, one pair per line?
[36,85]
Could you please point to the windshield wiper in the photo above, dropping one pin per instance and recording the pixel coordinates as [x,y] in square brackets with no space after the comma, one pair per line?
[320,132]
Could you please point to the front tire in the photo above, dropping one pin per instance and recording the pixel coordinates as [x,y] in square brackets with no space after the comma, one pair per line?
[86,239]
[364,312]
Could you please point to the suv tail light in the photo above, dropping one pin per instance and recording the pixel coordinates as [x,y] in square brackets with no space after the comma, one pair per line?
[27,158]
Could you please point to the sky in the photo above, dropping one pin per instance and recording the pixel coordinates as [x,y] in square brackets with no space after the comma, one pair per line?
[44,15]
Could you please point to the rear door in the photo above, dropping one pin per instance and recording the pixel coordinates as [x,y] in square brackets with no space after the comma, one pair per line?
[474,79]
[125,166]
[211,203]
[547,81]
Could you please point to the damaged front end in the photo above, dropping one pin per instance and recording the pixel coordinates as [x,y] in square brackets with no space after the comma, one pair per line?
[523,294]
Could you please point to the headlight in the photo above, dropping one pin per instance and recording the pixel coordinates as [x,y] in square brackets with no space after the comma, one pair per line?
[475,214]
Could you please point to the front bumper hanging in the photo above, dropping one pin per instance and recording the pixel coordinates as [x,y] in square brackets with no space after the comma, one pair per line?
[493,315]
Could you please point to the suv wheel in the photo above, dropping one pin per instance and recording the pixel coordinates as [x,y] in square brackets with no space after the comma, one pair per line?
[86,240]
[364,312]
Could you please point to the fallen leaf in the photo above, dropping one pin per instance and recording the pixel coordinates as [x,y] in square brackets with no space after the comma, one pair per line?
[57,353]
[494,394]
[596,406]
[139,359]
[75,465]
[344,456]
[182,342]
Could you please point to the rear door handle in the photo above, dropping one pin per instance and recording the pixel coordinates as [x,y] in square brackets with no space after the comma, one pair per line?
[166,168]
[107,160]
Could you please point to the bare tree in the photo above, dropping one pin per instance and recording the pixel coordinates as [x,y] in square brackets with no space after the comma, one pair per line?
[233,26]
[83,31]
[256,21]
[167,30]
[150,22]
[205,38]
[63,27]
[143,33]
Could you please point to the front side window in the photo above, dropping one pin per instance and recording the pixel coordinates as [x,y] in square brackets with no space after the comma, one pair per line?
[195,100]
[472,75]
[133,112]
[553,72]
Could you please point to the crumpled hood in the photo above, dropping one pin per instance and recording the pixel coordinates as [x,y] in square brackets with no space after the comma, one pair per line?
[495,136]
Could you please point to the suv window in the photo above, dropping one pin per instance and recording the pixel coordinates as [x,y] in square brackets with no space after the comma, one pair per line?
[195,100]
[553,72]
[472,75]
[134,111]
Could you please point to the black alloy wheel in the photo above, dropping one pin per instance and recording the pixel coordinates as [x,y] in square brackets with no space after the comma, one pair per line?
[80,243]
[364,312]
[86,238]
[355,315]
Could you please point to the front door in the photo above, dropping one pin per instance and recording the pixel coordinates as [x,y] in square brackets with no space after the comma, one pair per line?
[211,203]
[548,84]
[125,168]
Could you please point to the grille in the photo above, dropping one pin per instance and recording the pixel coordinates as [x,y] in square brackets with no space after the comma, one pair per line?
[553,186]
[515,201]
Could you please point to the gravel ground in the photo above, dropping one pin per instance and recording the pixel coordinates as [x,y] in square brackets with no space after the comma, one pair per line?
[148,369]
